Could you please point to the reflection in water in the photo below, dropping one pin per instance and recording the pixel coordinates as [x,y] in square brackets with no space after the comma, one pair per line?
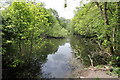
[52,59]
[83,47]
[57,64]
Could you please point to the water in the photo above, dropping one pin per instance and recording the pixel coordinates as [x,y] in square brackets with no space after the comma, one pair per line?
[57,65]
[55,59]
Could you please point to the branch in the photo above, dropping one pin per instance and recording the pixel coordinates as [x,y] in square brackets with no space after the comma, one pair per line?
[105,14]
[110,10]
[99,7]
[91,60]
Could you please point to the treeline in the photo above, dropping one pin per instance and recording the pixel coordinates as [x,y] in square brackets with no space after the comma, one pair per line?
[25,26]
[100,22]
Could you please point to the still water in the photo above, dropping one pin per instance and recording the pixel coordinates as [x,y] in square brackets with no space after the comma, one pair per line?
[57,58]
[57,65]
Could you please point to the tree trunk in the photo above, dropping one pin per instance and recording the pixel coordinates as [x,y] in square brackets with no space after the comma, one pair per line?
[104,14]
[107,23]
[100,7]
[113,36]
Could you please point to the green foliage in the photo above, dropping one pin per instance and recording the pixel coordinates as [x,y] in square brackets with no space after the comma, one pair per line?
[57,31]
[26,24]
[96,19]
[115,61]
[16,62]
[83,22]
[57,27]
[115,72]
[90,21]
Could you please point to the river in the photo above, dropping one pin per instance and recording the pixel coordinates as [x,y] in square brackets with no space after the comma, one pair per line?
[59,64]
[57,59]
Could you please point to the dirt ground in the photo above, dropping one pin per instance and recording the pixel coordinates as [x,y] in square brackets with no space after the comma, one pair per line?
[92,72]
[96,74]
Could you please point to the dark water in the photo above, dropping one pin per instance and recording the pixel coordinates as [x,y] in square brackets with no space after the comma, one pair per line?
[53,60]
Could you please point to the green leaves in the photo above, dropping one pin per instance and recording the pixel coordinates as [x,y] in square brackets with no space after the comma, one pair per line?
[16,62]
[8,41]
[26,23]
[84,20]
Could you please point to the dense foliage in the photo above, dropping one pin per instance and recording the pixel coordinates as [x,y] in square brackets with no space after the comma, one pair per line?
[100,22]
[25,24]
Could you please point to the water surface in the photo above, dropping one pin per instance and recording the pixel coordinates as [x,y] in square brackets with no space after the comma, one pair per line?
[57,58]
[57,65]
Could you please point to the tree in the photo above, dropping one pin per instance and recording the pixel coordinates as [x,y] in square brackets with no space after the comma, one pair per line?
[98,19]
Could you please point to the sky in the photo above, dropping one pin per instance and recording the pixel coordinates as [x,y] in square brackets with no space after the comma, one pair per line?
[58,5]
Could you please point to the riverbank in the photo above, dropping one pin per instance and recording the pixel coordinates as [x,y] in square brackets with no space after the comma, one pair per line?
[93,72]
